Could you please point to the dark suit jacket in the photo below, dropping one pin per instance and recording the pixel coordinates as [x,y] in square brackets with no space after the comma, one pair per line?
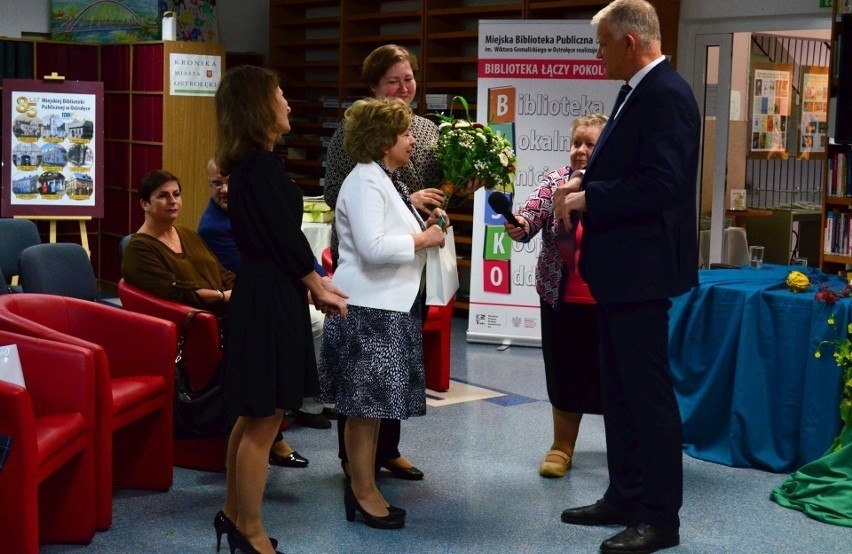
[640,239]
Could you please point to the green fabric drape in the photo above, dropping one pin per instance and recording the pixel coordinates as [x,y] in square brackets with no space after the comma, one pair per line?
[822,489]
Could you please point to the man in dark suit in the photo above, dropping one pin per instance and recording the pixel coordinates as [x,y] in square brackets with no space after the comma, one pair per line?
[638,201]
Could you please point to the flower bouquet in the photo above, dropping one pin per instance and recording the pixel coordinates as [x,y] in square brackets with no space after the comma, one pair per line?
[468,150]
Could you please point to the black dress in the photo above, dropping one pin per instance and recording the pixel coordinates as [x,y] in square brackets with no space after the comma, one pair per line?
[270,352]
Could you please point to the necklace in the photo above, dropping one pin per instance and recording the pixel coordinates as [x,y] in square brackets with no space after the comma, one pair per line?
[168,241]
[167,238]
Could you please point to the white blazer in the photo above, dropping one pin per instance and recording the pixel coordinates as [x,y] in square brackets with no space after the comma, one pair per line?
[377,265]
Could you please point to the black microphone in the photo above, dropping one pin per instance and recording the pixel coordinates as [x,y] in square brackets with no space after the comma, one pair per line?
[500,204]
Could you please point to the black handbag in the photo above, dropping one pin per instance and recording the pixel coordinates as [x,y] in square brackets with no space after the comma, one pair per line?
[198,413]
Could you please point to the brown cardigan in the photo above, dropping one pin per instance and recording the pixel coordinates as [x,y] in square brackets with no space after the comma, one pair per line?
[153,267]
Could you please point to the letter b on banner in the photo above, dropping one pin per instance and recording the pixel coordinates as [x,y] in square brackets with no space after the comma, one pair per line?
[501,105]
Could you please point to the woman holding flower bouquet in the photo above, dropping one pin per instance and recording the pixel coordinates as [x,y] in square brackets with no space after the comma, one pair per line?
[569,331]
[389,73]
[371,363]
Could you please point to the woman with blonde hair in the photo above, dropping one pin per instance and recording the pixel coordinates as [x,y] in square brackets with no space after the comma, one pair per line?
[371,363]
[569,327]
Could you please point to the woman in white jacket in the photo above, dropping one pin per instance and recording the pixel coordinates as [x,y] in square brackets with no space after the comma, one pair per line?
[371,365]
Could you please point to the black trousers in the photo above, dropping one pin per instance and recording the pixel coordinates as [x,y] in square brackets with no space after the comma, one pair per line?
[641,416]
[388,444]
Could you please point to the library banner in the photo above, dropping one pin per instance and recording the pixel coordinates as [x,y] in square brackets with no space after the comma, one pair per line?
[534,79]
[53,160]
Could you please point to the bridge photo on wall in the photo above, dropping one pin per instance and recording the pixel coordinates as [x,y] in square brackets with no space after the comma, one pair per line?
[105,21]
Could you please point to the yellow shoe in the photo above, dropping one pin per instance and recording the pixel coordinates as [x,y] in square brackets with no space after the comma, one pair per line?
[555,469]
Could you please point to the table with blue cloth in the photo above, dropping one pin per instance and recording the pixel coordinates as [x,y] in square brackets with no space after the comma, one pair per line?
[750,390]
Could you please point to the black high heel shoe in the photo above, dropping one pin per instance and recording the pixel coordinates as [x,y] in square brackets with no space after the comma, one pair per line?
[394,520]
[406,473]
[394,510]
[224,526]
[238,542]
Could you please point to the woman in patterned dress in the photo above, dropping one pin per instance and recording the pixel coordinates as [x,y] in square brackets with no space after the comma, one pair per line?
[371,363]
[569,332]
[389,73]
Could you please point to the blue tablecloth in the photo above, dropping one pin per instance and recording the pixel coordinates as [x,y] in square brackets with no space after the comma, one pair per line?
[750,391]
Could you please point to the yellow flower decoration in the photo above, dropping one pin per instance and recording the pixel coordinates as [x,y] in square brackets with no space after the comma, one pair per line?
[798,281]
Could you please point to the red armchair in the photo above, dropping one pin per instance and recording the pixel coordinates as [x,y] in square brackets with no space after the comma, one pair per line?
[437,334]
[202,353]
[47,485]
[134,378]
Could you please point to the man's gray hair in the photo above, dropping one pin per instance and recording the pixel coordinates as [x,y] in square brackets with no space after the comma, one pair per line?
[637,16]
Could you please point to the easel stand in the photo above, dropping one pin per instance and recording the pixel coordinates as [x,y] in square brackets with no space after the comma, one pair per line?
[84,237]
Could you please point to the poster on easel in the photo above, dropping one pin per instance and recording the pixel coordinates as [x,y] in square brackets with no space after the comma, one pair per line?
[813,124]
[53,158]
[770,113]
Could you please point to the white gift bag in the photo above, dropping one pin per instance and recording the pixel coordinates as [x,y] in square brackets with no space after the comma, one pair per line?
[442,276]
[10,365]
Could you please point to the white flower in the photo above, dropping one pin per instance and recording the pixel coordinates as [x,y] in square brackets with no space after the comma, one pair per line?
[504,160]
[461,123]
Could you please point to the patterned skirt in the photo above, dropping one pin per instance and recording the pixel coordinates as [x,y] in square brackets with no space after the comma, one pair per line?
[371,363]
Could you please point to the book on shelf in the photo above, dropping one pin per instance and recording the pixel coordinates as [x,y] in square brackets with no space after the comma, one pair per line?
[439,102]
[838,233]
[839,176]
[828,239]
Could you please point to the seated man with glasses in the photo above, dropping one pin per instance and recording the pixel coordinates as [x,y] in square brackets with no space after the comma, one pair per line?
[215,229]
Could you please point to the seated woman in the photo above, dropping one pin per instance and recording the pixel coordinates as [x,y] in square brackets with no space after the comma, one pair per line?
[173,262]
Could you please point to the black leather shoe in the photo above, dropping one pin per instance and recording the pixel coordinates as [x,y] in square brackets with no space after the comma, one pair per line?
[640,539]
[407,473]
[290,460]
[394,520]
[329,413]
[314,421]
[599,513]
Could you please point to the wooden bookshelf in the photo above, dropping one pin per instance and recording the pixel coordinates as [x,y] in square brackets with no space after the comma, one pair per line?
[835,252]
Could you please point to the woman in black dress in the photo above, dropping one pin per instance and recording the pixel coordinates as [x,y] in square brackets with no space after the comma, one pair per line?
[270,362]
